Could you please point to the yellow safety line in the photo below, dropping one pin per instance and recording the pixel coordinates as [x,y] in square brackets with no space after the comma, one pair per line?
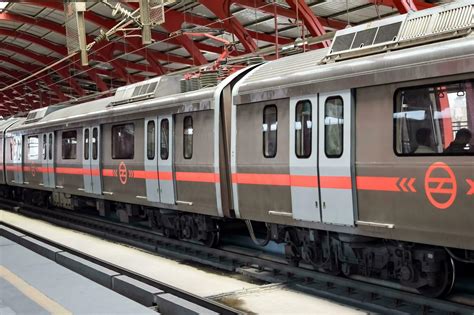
[32,293]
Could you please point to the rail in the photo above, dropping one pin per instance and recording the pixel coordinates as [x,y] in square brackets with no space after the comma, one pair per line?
[348,291]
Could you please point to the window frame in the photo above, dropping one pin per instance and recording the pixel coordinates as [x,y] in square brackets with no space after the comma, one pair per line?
[113,146]
[45,146]
[86,144]
[63,145]
[162,156]
[305,156]
[151,145]
[185,155]
[394,110]
[95,144]
[50,148]
[325,130]
[28,147]
[276,132]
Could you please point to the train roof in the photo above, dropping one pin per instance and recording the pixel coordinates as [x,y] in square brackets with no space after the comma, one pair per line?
[281,78]
[102,108]
[12,121]
[202,99]
[350,62]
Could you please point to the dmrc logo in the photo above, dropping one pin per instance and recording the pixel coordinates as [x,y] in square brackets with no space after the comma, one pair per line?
[440,185]
[123,173]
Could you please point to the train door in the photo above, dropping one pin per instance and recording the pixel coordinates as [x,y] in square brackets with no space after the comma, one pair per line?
[91,160]
[151,160]
[303,159]
[336,157]
[47,160]
[165,159]
[18,159]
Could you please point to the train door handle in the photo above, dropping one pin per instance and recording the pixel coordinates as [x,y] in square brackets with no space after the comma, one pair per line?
[324,204]
[316,204]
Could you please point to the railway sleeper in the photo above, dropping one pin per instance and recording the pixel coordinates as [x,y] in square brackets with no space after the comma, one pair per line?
[429,269]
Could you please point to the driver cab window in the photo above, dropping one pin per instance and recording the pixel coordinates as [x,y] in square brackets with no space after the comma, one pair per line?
[435,120]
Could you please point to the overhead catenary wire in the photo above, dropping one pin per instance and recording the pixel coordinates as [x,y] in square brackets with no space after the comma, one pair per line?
[118,57]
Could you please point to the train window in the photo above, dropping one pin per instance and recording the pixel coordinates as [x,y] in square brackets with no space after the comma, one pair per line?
[50,146]
[151,140]
[95,143]
[45,152]
[303,129]
[123,141]
[434,120]
[33,148]
[86,144]
[269,127]
[165,138]
[69,147]
[188,132]
[12,148]
[334,127]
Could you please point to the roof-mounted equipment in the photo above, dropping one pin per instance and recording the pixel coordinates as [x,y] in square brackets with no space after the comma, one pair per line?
[415,28]
[38,114]
[161,86]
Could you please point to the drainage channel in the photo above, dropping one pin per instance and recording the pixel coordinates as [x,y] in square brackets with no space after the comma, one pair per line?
[144,290]
[351,292]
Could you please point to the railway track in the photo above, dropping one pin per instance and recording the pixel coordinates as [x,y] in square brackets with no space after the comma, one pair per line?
[201,301]
[366,296]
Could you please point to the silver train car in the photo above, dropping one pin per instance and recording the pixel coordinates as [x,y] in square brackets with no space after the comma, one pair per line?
[359,158]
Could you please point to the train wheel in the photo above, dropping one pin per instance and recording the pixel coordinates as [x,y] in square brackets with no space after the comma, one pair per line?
[213,237]
[444,283]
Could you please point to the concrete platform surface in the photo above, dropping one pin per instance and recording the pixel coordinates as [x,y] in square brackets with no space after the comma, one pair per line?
[33,284]
[238,293]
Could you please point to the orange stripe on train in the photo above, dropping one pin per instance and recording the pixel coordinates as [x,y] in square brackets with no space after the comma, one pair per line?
[334,182]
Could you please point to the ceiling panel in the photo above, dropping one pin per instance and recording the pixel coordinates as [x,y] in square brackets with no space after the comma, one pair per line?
[17,41]
[9,24]
[26,9]
[55,38]
[26,59]
[39,49]
[34,30]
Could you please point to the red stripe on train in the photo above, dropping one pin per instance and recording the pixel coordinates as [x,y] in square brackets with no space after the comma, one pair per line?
[333,182]
[336,182]
[197,177]
[377,183]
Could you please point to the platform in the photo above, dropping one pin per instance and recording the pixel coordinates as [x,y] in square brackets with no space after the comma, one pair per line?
[231,289]
[33,284]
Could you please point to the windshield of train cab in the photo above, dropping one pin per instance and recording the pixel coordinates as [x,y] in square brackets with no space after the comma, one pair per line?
[435,119]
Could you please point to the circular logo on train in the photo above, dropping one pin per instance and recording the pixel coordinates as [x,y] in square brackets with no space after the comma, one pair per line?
[440,185]
[123,173]
[33,170]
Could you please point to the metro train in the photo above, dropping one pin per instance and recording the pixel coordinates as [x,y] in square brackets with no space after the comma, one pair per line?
[358,157]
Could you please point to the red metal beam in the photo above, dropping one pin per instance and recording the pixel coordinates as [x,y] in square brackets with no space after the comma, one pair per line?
[404,6]
[40,58]
[222,10]
[46,24]
[101,22]
[31,69]
[281,11]
[312,23]
[43,59]
[18,76]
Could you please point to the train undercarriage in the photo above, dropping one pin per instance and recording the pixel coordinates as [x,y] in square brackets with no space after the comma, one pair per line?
[429,269]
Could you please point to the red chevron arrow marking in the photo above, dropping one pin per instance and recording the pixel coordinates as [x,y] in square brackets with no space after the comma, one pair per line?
[410,184]
[402,184]
[470,182]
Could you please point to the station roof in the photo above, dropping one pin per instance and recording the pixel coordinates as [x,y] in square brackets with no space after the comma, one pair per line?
[33,37]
